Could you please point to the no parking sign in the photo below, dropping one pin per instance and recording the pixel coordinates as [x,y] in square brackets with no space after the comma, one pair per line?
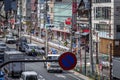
[67,61]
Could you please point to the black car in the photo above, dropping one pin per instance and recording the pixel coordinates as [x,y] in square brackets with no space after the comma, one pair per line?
[21,42]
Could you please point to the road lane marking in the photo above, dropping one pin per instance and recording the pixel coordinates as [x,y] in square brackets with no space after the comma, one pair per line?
[41,77]
[74,76]
[60,76]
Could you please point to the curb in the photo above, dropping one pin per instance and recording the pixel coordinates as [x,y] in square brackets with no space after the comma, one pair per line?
[80,75]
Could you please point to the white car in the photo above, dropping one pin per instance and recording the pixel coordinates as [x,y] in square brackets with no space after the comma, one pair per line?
[29,75]
[10,39]
[105,64]
[52,66]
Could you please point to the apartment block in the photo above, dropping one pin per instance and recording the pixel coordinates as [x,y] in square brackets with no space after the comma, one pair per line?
[106,25]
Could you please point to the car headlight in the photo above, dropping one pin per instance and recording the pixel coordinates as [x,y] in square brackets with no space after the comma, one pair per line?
[48,64]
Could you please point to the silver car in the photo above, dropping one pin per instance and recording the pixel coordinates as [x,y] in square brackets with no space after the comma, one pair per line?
[33,49]
[10,39]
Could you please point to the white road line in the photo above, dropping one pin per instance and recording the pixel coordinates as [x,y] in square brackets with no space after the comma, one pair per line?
[60,76]
[74,76]
[41,77]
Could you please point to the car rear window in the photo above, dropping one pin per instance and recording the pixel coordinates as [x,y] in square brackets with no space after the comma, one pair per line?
[31,77]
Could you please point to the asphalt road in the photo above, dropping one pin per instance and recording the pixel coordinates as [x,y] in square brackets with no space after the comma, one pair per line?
[44,75]
[42,72]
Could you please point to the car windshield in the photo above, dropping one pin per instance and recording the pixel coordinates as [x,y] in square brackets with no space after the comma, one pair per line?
[52,57]
[31,77]
[39,48]
[10,37]
[33,47]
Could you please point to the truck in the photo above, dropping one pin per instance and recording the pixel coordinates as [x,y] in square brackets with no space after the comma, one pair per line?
[16,68]
[115,68]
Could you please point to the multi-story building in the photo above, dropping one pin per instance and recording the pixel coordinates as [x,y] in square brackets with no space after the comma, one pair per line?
[62,10]
[106,25]
[29,13]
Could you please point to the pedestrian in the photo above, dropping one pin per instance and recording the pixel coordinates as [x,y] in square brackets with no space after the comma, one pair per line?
[33,52]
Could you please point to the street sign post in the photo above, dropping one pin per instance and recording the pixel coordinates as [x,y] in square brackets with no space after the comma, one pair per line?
[67,61]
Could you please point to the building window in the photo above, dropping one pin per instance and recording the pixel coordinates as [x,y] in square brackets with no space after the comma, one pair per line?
[118,28]
[102,13]
[101,1]
[102,27]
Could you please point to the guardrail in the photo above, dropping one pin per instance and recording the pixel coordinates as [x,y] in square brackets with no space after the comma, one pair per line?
[56,46]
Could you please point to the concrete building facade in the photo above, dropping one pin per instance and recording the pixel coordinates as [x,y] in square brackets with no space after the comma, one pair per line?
[106,25]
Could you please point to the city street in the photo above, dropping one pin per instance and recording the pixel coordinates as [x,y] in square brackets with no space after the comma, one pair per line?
[42,72]
[44,75]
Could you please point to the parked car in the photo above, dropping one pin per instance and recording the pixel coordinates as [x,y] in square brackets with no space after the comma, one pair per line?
[10,39]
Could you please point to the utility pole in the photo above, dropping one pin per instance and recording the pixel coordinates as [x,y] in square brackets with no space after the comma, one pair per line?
[20,27]
[97,58]
[74,18]
[39,13]
[90,37]
[110,60]
[85,61]
[46,39]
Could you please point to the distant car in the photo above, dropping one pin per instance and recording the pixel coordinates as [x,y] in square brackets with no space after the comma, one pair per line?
[10,39]
[15,33]
[53,51]
[3,47]
[36,48]
[52,66]
[22,46]
[20,43]
[105,64]
[40,50]
[29,49]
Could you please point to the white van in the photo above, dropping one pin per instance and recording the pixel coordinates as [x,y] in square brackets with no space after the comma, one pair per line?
[52,66]
[29,75]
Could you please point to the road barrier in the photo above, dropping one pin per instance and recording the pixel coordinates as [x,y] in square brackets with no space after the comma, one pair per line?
[50,44]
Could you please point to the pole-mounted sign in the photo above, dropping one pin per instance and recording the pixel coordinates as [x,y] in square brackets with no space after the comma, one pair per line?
[67,61]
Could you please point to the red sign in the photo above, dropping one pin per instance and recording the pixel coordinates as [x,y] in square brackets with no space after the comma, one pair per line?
[68,21]
[67,61]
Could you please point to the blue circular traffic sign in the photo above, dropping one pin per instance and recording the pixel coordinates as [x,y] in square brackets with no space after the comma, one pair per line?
[67,61]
